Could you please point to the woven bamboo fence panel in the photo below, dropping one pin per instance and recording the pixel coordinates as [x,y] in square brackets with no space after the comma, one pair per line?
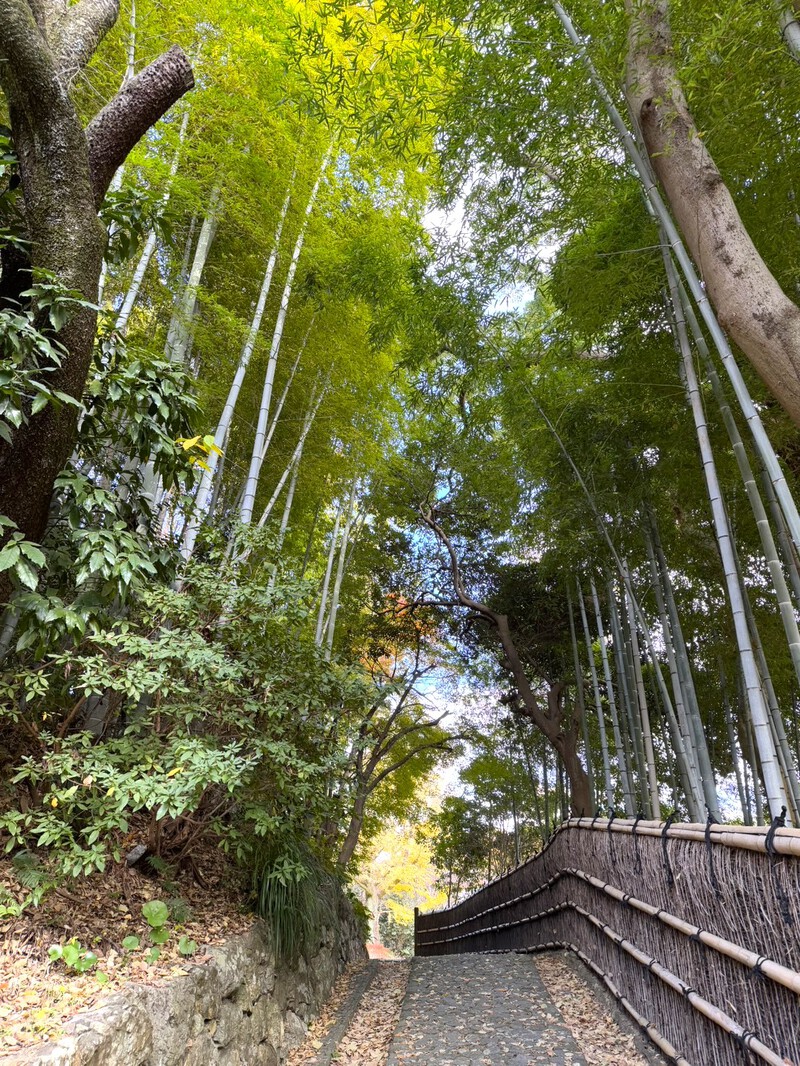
[695,929]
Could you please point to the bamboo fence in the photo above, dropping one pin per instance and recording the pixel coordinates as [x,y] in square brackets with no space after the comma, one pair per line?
[695,929]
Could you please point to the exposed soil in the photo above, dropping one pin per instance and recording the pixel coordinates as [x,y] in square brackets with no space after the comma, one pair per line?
[38,996]
[379,951]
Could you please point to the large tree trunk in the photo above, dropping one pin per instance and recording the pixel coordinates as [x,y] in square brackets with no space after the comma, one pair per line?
[350,842]
[65,171]
[749,302]
[563,738]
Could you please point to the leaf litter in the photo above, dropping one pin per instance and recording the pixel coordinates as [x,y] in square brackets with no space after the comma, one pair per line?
[598,1034]
[38,996]
[366,1039]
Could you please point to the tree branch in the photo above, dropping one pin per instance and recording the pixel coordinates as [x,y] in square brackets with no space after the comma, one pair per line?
[381,750]
[443,745]
[464,599]
[26,57]
[75,35]
[136,107]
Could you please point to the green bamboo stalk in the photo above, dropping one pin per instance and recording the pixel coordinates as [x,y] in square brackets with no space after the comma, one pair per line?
[598,702]
[788,550]
[693,793]
[580,700]
[644,714]
[687,732]
[788,768]
[707,775]
[624,769]
[737,770]
[626,684]
[674,241]
[759,712]
[785,605]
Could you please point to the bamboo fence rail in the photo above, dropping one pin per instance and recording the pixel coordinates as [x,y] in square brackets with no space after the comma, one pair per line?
[695,929]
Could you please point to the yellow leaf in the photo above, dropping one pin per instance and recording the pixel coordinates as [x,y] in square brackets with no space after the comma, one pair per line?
[186,444]
[174,770]
[53,802]
[210,445]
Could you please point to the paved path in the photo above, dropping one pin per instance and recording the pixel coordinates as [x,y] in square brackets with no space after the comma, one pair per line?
[480,1010]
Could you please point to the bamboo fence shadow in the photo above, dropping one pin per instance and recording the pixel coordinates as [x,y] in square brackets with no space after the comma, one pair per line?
[695,929]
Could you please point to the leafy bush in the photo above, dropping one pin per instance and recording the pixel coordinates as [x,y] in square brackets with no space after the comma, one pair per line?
[214,710]
[34,877]
[83,796]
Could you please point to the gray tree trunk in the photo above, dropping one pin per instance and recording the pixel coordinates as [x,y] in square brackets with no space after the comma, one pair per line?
[65,171]
[750,304]
[647,177]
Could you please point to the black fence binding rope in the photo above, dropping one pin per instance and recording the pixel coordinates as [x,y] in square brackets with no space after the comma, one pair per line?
[679,920]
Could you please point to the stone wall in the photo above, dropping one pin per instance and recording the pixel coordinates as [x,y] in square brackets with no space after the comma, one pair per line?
[240,1009]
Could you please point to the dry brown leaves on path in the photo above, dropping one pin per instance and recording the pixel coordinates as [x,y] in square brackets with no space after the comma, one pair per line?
[307,1051]
[367,1038]
[598,1034]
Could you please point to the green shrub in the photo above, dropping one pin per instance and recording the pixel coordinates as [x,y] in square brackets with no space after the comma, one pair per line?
[363,916]
[295,894]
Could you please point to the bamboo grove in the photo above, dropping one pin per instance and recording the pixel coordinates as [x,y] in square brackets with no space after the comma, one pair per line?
[287,462]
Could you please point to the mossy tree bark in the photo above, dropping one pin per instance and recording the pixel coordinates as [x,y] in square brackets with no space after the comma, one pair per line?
[65,170]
